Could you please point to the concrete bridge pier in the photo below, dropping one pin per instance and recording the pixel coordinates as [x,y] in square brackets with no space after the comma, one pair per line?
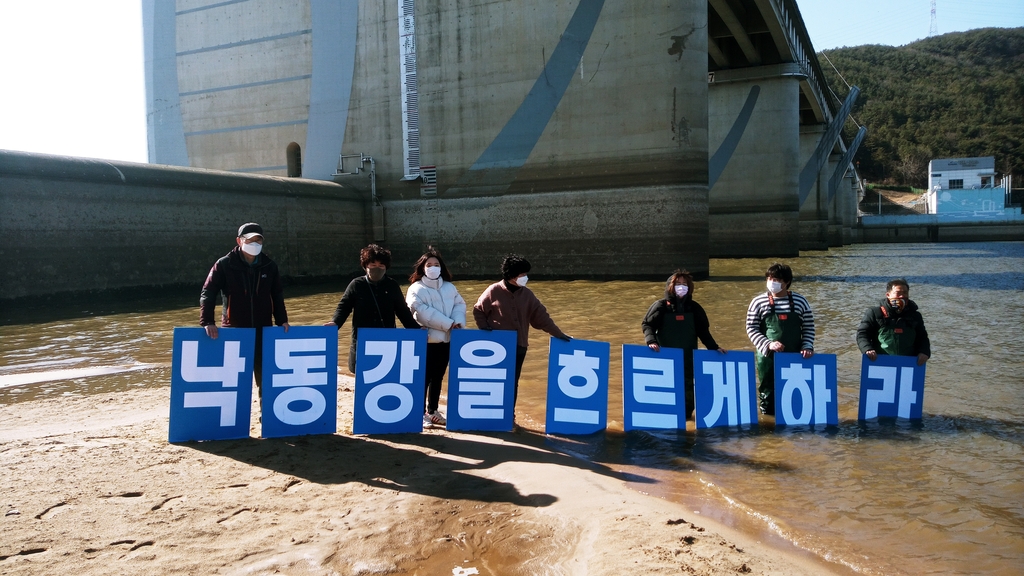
[754,205]
[816,213]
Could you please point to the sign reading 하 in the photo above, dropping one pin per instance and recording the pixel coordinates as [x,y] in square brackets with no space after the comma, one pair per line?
[805,390]
[577,386]
[389,381]
[300,381]
[725,391]
[211,384]
[652,388]
[891,386]
[481,380]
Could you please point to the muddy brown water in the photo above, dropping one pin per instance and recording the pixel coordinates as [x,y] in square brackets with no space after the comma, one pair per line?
[945,495]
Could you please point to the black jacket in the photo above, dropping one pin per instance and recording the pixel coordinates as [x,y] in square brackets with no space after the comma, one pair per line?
[874,318]
[373,305]
[252,294]
[652,322]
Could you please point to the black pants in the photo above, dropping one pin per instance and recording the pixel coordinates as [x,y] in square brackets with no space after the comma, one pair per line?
[257,363]
[437,365]
[520,357]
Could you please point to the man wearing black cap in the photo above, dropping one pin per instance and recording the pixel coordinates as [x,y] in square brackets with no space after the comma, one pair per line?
[252,291]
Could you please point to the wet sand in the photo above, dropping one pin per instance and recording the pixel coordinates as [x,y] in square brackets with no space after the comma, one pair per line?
[91,486]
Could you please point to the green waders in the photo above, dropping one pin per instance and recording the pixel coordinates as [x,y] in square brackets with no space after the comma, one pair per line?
[678,330]
[896,338]
[786,328]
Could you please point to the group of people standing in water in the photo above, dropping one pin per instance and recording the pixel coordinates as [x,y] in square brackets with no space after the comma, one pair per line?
[778,320]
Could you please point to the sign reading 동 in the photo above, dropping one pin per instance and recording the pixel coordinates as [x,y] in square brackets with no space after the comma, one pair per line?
[211,384]
[481,380]
[891,386]
[300,381]
[805,389]
[577,386]
[390,380]
[652,388]
[725,391]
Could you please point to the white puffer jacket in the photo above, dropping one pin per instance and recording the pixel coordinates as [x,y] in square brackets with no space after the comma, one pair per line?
[436,305]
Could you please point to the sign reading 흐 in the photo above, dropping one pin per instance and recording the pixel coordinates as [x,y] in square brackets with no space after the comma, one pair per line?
[390,380]
[891,386]
[211,384]
[300,381]
[481,380]
[725,391]
[805,390]
[652,388]
[577,386]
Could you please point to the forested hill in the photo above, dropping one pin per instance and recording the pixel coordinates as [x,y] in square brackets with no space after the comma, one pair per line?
[950,96]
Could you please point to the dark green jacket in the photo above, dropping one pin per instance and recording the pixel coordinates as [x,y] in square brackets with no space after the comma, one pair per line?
[884,315]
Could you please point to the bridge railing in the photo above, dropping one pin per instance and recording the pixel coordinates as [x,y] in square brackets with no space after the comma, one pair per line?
[804,54]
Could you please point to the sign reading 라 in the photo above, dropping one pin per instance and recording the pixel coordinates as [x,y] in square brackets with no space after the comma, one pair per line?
[653,397]
[805,389]
[577,386]
[891,386]
[211,384]
[725,391]
[390,380]
[300,381]
[481,380]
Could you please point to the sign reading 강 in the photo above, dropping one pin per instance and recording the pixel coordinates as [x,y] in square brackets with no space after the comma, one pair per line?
[577,386]
[481,380]
[901,392]
[652,388]
[211,384]
[805,390]
[725,391]
[389,381]
[301,366]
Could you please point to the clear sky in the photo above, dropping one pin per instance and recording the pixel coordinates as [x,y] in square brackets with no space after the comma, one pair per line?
[72,70]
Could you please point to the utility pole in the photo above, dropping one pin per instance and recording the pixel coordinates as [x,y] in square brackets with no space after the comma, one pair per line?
[934,30]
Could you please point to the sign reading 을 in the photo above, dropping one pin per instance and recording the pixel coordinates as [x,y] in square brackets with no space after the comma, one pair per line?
[211,384]
[300,381]
[577,386]
[481,380]
[891,386]
[725,391]
[652,388]
[805,389]
[389,381]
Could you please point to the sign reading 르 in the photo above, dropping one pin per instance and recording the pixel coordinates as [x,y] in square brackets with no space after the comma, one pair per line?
[481,380]
[652,389]
[805,390]
[211,384]
[389,381]
[300,381]
[725,391]
[891,386]
[577,386]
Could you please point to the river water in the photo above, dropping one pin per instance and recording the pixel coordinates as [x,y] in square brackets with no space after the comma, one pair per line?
[945,495]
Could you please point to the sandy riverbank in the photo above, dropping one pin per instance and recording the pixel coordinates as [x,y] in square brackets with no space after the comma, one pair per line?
[91,486]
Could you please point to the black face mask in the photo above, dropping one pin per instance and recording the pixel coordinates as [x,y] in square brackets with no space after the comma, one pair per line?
[375,274]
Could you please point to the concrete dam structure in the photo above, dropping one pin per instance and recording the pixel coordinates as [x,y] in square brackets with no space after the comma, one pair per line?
[577,132]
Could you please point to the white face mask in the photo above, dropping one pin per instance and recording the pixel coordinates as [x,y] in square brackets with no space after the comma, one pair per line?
[432,272]
[252,248]
[774,286]
[682,290]
[522,280]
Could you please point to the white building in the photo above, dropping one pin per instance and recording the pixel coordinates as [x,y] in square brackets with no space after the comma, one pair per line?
[961,173]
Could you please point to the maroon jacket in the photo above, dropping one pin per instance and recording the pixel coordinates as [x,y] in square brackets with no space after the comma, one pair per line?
[499,308]
[252,294]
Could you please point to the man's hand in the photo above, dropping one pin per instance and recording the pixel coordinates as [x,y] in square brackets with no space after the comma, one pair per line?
[285,326]
[806,353]
[723,351]
[871,354]
[921,359]
[654,346]
[776,346]
[565,337]
[211,330]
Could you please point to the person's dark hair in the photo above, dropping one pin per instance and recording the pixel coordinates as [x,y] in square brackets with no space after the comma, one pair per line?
[897,282]
[670,291]
[418,269]
[513,265]
[374,252]
[780,272]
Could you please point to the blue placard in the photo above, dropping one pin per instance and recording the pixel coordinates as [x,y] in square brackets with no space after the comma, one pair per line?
[211,384]
[891,386]
[806,390]
[481,380]
[577,386]
[389,381]
[725,390]
[653,395]
[300,381]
